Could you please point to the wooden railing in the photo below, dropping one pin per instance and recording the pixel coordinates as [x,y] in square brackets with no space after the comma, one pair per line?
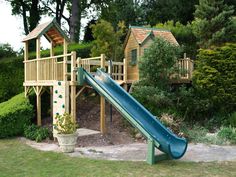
[185,68]
[118,69]
[49,68]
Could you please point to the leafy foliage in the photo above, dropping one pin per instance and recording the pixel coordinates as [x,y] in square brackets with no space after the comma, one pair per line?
[232,119]
[154,99]
[11,77]
[183,34]
[215,77]
[14,115]
[65,124]
[37,133]
[158,63]
[107,40]
[6,51]
[214,23]
[228,134]
[164,10]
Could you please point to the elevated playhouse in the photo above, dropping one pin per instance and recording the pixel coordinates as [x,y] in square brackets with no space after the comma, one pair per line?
[67,76]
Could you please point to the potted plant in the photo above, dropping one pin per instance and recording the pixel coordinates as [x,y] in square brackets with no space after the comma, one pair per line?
[66,132]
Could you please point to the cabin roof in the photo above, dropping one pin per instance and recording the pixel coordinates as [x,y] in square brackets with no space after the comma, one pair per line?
[141,34]
[51,30]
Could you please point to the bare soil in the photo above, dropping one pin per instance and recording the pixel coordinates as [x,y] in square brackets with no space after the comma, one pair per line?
[118,131]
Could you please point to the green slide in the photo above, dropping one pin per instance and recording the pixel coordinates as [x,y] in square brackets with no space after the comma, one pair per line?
[136,114]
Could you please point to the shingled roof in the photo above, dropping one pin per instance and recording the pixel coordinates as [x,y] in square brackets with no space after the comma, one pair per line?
[51,30]
[142,33]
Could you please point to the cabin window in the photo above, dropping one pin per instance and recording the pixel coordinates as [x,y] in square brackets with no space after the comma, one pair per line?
[133,57]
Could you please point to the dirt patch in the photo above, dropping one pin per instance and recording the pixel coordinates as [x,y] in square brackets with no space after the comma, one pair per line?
[88,116]
[118,131]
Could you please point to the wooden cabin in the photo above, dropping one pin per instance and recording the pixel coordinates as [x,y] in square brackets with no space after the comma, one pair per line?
[138,40]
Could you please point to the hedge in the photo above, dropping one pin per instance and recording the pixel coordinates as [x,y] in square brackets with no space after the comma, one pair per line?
[14,115]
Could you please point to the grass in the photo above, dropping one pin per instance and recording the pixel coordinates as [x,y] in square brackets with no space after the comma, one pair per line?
[18,159]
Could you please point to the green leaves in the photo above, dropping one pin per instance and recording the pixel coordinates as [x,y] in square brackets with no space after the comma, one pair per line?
[214,23]
[107,40]
[65,124]
[14,115]
[158,63]
[215,75]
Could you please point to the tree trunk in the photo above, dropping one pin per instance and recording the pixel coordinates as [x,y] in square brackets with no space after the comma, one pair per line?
[26,29]
[75,20]
[34,15]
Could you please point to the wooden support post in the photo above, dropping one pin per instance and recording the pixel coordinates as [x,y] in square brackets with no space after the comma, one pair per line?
[38,56]
[38,91]
[73,86]
[51,102]
[125,73]
[26,54]
[102,104]
[65,61]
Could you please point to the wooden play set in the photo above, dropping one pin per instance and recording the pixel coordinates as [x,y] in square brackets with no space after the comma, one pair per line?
[58,73]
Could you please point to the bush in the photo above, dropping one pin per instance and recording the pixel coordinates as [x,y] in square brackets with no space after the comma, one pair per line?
[34,132]
[14,115]
[215,78]
[155,100]
[228,134]
[11,77]
[232,119]
[158,63]
[6,51]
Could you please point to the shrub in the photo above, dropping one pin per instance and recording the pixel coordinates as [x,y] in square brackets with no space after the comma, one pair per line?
[155,100]
[158,63]
[232,119]
[11,78]
[36,133]
[215,78]
[14,115]
[228,134]
[65,124]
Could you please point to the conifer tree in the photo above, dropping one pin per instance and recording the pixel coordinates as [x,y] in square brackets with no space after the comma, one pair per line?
[214,23]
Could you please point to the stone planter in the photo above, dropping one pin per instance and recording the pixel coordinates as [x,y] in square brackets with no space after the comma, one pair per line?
[67,142]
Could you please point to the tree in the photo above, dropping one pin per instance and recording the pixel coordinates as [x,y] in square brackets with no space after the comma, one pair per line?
[183,34]
[6,51]
[88,36]
[107,40]
[30,11]
[214,23]
[158,63]
[128,11]
[164,10]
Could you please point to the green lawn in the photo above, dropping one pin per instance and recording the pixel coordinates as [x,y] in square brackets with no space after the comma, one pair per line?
[18,159]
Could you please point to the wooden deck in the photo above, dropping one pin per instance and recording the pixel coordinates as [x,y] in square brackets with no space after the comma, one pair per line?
[42,71]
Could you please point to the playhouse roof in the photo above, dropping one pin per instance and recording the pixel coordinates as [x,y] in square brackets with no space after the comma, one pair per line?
[141,34]
[51,30]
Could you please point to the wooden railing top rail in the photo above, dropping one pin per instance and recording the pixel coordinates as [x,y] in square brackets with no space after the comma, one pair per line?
[48,58]
[91,58]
